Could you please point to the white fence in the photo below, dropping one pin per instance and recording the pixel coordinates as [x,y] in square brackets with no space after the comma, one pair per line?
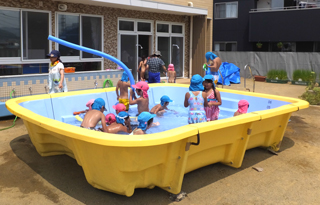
[262,62]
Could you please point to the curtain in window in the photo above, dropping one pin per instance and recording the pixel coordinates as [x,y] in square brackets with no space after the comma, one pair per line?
[231,10]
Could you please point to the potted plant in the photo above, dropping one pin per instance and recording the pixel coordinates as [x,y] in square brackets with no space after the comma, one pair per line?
[280,45]
[277,76]
[259,45]
[303,77]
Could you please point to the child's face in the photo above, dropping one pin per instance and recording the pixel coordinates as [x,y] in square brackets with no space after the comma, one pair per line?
[53,59]
[139,92]
[166,104]
[128,120]
[207,85]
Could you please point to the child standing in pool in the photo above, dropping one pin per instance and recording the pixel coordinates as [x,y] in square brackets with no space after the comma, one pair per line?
[196,100]
[213,97]
[123,85]
[243,106]
[171,74]
[143,101]
[57,81]
[145,120]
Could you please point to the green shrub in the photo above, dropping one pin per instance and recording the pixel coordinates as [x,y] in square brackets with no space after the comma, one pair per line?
[273,74]
[312,96]
[304,75]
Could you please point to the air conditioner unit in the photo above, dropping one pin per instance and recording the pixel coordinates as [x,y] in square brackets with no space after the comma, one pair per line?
[62,7]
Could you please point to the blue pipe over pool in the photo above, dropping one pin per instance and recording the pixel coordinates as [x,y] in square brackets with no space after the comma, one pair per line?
[95,52]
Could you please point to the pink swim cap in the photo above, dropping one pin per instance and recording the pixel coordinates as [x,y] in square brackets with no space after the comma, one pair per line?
[171,67]
[243,106]
[119,107]
[89,104]
[110,118]
[142,85]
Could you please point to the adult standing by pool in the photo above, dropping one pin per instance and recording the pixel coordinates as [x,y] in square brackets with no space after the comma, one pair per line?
[213,63]
[155,64]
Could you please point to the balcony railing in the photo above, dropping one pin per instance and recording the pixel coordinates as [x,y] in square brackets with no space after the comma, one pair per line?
[298,7]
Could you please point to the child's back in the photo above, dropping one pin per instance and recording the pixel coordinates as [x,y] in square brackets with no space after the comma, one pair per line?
[95,115]
[196,107]
[171,74]
[123,84]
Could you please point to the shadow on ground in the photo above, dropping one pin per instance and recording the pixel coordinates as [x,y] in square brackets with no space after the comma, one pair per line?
[64,173]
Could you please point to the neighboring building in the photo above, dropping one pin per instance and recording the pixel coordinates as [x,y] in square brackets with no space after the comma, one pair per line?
[279,25]
[126,29]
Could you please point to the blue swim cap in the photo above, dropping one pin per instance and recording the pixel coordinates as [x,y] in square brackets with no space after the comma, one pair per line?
[98,103]
[120,118]
[124,77]
[209,77]
[210,56]
[164,99]
[143,119]
[196,83]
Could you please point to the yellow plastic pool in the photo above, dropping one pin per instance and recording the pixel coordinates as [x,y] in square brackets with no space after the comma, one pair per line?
[120,164]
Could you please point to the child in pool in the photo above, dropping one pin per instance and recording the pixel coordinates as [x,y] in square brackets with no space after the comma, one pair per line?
[119,107]
[196,100]
[213,63]
[171,74]
[145,120]
[123,85]
[162,107]
[110,118]
[95,115]
[89,105]
[213,97]
[57,81]
[122,124]
[243,106]
[143,101]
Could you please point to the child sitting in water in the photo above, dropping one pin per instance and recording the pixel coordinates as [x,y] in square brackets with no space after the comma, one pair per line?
[145,120]
[243,106]
[123,85]
[143,101]
[119,107]
[171,74]
[213,97]
[95,115]
[196,100]
[122,124]
[110,118]
[162,107]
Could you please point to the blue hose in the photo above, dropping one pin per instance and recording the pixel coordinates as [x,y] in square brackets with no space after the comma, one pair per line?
[94,52]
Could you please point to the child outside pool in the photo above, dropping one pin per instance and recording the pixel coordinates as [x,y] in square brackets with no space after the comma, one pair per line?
[171,74]
[123,85]
[213,63]
[143,101]
[243,106]
[57,81]
[213,98]
[95,115]
[196,100]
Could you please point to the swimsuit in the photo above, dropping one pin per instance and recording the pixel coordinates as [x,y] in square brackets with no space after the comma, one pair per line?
[212,112]
[90,128]
[125,102]
[196,109]
[132,133]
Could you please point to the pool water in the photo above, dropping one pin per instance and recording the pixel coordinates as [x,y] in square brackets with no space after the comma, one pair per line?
[170,119]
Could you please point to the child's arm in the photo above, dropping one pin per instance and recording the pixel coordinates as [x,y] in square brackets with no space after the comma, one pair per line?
[131,100]
[186,103]
[103,122]
[218,98]
[62,78]
[117,89]
[175,76]
[205,103]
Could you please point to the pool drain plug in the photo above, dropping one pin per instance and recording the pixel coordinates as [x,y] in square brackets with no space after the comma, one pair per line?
[178,197]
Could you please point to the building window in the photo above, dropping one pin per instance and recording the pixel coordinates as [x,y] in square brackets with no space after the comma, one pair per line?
[226,10]
[144,26]
[163,28]
[225,46]
[82,30]
[33,43]
[126,25]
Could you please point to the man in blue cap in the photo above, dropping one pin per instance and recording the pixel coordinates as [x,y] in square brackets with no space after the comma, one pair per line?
[95,115]
[213,64]
[162,107]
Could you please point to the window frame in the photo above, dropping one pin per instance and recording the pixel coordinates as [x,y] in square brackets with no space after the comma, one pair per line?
[20,60]
[225,42]
[215,10]
[70,59]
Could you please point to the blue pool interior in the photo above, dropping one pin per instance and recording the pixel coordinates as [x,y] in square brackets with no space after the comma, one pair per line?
[62,108]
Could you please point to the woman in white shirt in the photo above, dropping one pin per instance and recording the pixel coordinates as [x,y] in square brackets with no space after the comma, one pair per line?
[57,81]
